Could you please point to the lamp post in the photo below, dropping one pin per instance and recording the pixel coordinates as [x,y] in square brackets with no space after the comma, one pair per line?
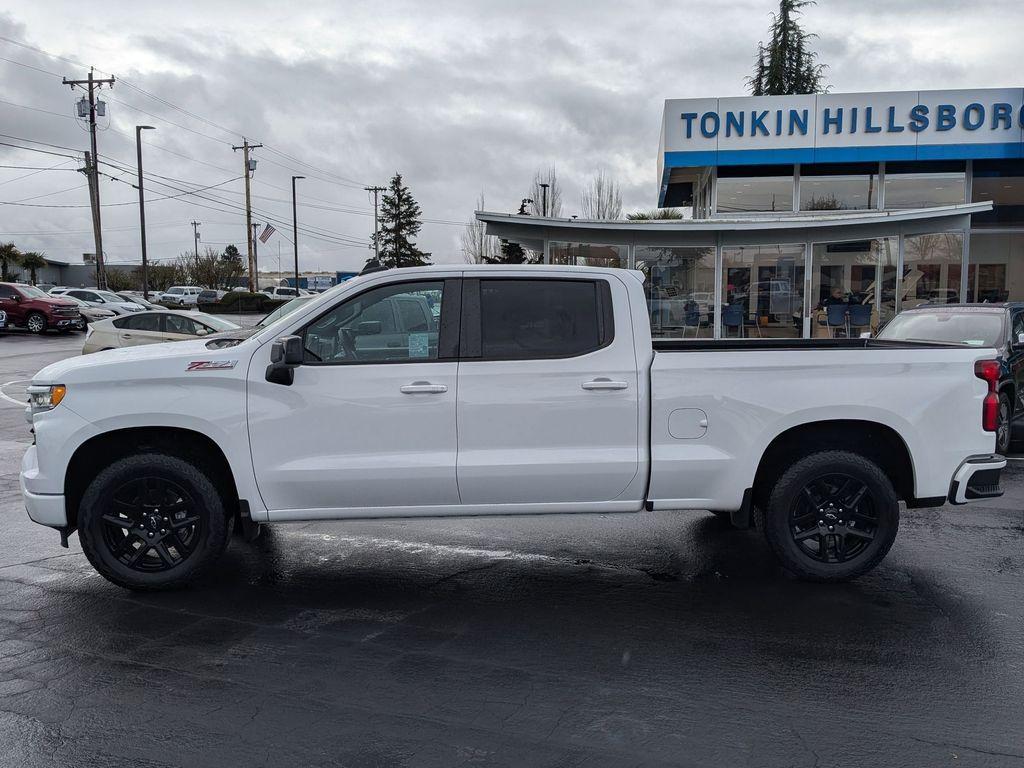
[295,233]
[142,207]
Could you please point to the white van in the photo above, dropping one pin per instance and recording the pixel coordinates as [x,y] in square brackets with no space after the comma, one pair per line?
[181,295]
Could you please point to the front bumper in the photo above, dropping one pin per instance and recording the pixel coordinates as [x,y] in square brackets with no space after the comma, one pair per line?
[43,508]
[977,478]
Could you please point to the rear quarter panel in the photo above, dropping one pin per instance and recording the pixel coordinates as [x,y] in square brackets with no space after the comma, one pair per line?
[929,397]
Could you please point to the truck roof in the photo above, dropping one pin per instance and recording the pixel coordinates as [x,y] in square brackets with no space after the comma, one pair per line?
[495,267]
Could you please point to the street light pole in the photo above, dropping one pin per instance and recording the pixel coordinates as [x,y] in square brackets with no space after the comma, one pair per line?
[295,233]
[142,207]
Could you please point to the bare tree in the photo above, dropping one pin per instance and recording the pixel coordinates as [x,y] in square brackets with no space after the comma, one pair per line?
[477,246]
[602,199]
[554,193]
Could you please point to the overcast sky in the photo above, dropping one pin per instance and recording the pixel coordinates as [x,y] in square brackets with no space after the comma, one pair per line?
[463,97]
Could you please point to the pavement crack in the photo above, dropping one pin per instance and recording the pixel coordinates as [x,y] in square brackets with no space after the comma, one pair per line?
[965,748]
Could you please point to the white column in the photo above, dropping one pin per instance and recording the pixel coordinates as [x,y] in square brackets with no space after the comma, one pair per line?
[719,281]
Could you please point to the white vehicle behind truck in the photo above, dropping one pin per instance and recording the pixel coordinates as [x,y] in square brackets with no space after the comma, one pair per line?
[460,390]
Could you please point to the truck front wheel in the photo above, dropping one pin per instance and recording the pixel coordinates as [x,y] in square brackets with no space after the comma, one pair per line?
[832,516]
[152,521]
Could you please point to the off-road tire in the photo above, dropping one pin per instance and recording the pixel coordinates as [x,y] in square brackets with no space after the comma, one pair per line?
[777,524]
[207,504]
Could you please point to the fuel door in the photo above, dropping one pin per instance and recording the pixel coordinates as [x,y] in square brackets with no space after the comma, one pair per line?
[687,423]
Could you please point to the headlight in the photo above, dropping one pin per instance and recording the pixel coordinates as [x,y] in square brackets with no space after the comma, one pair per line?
[45,398]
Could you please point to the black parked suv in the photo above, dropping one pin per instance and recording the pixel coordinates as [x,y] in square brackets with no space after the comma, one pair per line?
[983,325]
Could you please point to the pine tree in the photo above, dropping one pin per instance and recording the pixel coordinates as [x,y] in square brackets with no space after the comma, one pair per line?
[786,65]
[399,225]
[510,253]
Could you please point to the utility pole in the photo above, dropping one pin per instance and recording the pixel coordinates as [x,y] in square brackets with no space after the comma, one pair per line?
[93,208]
[544,199]
[254,278]
[87,108]
[295,233]
[376,245]
[195,237]
[250,168]
[142,207]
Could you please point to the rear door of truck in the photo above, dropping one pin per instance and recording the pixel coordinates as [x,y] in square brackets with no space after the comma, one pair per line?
[549,395]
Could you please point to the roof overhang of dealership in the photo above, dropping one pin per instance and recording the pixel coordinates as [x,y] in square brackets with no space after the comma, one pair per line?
[535,232]
[698,135]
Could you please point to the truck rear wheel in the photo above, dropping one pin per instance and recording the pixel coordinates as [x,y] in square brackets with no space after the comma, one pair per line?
[152,521]
[832,516]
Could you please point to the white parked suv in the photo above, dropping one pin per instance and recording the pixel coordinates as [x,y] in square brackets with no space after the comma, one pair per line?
[100,299]
[531,390]
[181,295]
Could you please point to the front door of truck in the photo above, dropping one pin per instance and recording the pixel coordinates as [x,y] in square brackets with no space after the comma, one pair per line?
[549,398]
[364,428]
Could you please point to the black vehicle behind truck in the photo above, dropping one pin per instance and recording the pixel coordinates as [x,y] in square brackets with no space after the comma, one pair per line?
[983,325]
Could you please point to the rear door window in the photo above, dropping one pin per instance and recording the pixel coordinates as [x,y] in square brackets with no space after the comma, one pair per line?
[147,322]
[537,319]
[179,324]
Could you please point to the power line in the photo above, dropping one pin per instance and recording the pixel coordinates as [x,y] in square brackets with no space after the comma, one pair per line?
[322,174]
[238,207]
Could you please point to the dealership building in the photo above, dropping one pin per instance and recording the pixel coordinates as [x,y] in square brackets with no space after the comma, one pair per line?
[880,201]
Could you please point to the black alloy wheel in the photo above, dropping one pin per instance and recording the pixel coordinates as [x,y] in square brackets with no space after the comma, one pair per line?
[832,516]
[153,521]
[1004,425]
[834,519]
[151,524]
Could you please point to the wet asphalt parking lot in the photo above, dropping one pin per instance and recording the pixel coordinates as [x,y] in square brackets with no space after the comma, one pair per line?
[654,639]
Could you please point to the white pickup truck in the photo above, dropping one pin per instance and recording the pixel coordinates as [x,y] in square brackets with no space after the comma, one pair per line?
[462,390]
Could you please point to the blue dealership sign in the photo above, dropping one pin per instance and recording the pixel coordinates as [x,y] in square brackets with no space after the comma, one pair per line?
[909,125]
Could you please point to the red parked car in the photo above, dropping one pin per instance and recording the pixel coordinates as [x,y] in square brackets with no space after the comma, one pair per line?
[30,308]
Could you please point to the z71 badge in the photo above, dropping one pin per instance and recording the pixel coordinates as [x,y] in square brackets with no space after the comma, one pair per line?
[210,365]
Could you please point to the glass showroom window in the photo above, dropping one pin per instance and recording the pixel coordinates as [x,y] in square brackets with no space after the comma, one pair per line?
[680,288]
[763,291]
[922,185]
[1002,182]
[755,189]
[931,269]
[844,187]
[853,286]
[996,269]
[589,254]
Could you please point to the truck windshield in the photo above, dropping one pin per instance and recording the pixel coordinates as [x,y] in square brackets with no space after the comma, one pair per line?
[31,292]
[980,329]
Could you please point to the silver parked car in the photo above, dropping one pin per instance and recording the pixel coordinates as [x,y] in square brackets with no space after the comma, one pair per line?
[152,328]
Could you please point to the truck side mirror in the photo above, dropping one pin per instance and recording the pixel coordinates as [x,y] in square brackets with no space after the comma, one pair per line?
[286,355]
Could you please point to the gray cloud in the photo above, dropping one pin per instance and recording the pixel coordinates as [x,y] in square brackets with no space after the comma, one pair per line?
[461,97]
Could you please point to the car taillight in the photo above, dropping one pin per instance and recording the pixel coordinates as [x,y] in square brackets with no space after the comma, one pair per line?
[988,371]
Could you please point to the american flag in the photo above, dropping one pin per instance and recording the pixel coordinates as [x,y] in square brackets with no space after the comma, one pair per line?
[268,230]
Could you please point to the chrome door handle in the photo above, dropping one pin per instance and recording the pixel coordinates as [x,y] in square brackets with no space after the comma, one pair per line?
[604,384]
[423,387]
